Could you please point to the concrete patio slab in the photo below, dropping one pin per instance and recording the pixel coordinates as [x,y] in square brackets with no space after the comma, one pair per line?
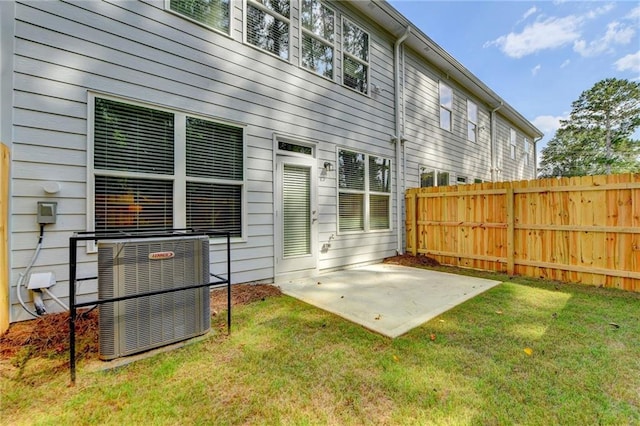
[387,299]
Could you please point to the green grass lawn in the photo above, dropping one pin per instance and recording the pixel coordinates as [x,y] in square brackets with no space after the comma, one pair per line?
[524,352]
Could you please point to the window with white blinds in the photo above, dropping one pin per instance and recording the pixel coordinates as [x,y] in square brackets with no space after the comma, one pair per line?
[318,35]
[155,169]
[212,13]
[364,195]
[355,57]
[268,25]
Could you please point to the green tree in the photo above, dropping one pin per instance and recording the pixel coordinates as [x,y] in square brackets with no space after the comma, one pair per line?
[597,137]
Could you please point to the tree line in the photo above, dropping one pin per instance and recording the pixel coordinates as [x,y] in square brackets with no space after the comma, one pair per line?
[598,136]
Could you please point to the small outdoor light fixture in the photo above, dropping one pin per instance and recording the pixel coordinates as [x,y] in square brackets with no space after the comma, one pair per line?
[328,167]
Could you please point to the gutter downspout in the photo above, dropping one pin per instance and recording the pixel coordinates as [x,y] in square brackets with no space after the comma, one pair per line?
[494,142]
[398,137]
[535,156]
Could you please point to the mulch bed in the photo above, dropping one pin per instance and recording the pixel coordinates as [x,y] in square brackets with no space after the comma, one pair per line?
[410,260]
[49,335]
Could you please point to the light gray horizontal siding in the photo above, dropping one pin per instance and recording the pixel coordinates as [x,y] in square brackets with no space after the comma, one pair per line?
[428,144]
[140,51]
[513,169]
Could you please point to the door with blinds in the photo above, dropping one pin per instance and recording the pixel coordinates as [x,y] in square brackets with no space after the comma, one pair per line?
[297,216]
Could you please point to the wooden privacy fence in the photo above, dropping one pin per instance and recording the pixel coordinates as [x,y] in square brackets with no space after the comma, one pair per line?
[583,229]
[4,238]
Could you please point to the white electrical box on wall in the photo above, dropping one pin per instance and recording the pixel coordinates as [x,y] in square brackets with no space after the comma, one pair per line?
[47,212]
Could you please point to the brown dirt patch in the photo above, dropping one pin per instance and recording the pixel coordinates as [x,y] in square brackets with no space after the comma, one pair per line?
[409,260]
[49,335]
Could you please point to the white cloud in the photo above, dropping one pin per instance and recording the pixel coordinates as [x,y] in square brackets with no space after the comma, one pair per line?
[630,62]
[616,34]
[548,123]
[599,11]
[548,34]
[634,14]
[536,69]
[565,63]
[555,32]
[529,12]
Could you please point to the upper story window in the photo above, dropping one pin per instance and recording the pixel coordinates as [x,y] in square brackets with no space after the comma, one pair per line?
[512,143]
[212,13]
[355,57]
[364,195]
[446,106]
[526,151]
[318,37]
[472,121]
[268,25]
[155,168]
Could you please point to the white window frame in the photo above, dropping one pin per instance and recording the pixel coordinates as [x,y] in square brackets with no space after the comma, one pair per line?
[366,192]
[179,175]
[461,180]
[367,63]
[268,11]
[472,121]
[167,7]
[303,31]
[512,142]
[445,107]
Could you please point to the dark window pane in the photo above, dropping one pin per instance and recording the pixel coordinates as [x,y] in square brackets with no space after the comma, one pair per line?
[267,32]
[317,56]
[379,210]
[132,138]
[351,208]
[214,13]
[132,203]
[351,173]
[318,19]
[355,74]
[214,150]
[427,179]
[355,41]
[379,174]
[215,206]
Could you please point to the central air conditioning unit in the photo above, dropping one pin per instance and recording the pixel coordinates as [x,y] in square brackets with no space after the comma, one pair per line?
[128,267]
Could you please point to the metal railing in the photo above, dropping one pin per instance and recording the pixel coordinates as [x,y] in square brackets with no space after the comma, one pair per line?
[140,234]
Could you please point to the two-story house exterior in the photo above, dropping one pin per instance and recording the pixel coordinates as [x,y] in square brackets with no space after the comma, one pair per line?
[296,125]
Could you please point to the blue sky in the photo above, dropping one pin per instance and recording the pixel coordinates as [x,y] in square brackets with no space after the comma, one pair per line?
[538,56]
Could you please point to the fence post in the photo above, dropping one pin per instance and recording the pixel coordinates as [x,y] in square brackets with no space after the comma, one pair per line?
[414,224]
[510,231]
